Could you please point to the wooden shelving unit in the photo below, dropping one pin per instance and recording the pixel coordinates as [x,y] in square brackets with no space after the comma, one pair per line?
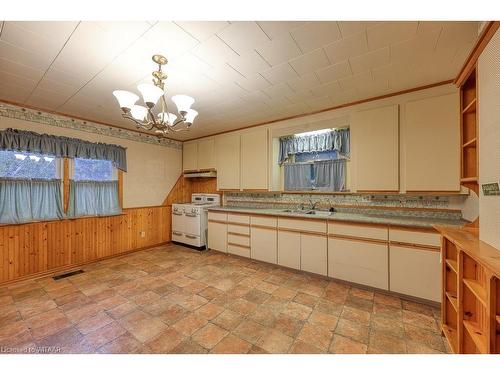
[469,133]
[471,292]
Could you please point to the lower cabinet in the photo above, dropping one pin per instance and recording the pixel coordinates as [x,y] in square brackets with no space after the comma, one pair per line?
[359,261]
[313,253]
[264,244]
[289,249]
[415,271]
[217,236]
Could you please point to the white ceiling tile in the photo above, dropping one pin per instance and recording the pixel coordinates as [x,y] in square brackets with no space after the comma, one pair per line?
[274,29]
[300,96]
[421,45]
[354,27]
[55,86]
[223,73]
[243,36]
[281,89]
[202,30]
[46,99]
[253,82]
[168,39]
[334,72]
[278,102]
[456,34]
[14,93]
[390,32]
[214,51]
[350,46]
[304,82]
[279,73]
[370,60]
[316,34]
[279,50]
[310,61]
[20,69]
[353,82]
[248,63]
[426,26]
[33,60]
[330,88]
[318,104]
[16,80]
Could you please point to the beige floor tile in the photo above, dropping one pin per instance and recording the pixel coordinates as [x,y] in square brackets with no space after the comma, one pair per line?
[232,344]
[209,336]
[345,345]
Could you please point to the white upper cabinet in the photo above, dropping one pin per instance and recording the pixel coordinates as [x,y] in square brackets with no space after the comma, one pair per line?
[254,159]
[206,153]
[227,160]
[375,149]
[431,144]
[190,156]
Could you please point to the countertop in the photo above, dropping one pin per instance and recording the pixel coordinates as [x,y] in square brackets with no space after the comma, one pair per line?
[405,221]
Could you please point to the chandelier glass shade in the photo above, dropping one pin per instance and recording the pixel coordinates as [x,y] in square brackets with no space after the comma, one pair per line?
[153,96]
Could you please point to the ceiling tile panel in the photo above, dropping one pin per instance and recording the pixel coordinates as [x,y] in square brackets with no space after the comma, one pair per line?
[353,82]
[279,50]
[390,32]
[202,30]
[14,93]
[315,34]
[253,82]
[274,29]
[14,53]
[243,36]
[334,72]
[280,73]
[281,89]
[310,62]
[350,46]
[304,82]
[214,51]
[370,60]
[326,89]
[20,69]
[424,43]
[249,63]
[353,27]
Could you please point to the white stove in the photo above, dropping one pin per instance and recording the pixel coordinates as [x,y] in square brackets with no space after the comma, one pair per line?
[189,220]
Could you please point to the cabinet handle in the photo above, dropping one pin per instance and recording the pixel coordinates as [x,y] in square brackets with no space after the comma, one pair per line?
[177,233]
[191,236]
[176,213]
[191,215]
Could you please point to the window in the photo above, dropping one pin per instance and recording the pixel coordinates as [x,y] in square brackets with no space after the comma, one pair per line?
[24,165]
[93,170]
[314,156]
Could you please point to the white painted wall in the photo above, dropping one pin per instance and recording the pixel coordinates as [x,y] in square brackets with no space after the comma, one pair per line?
[489,140]
[152,170]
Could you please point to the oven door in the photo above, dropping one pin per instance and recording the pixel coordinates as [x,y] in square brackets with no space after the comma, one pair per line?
[192,223]
[178,222]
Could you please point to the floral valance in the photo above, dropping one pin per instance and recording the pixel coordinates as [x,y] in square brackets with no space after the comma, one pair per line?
[337,139]
[62,147]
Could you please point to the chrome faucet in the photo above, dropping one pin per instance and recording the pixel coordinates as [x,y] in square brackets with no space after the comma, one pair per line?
[313,204]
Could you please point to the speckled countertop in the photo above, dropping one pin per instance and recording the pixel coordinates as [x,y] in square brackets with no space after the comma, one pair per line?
[407,221]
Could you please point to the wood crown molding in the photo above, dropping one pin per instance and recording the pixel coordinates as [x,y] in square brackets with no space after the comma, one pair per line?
[486,34]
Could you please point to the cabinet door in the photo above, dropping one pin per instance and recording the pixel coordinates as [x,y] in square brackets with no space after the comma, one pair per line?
[313,253]
[432,144]
[375,149]
[415,272]
[190,156]
[254,160]
[289,249]
[360,262]
[206,154]
[264,244]
[217,236]
[227,159]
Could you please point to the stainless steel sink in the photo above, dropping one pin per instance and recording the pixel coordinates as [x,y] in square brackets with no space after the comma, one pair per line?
[308,212]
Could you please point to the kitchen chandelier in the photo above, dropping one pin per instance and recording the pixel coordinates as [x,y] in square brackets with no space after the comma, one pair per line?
[164,122]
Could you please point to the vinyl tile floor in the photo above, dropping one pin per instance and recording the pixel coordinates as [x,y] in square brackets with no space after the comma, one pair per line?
[172,299]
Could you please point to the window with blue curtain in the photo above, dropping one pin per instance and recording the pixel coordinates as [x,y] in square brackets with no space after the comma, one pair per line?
[30,187]
[93,189]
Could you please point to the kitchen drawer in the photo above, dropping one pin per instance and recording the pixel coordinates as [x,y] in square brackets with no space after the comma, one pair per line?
[359,231]
[360,262]
[242,251]
[218,216]
[266,221]
[238,240]
[415,237]
[238,218]
[240,229]
[415,272]
[303,225]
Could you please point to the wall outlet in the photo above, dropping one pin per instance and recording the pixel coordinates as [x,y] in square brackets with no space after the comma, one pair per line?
[143,234]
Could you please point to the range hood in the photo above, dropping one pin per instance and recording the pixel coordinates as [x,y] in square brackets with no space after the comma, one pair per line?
[200,174]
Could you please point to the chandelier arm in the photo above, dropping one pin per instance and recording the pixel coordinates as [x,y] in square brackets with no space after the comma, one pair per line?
[141,124]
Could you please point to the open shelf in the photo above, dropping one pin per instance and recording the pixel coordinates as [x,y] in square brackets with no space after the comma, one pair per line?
[452,264]
[453,300]
[451,335]
[471,107]
[477,289]
[477,336]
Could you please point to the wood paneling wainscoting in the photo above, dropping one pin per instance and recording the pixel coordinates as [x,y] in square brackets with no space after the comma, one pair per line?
[34,249]
[184,187]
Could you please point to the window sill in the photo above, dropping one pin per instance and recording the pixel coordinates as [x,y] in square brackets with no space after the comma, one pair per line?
[59,220]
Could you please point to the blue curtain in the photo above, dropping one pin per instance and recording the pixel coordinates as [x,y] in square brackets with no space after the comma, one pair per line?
[62,147]
[329,175]
[298,176]
[337,139]
[30,200]
[93,198]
